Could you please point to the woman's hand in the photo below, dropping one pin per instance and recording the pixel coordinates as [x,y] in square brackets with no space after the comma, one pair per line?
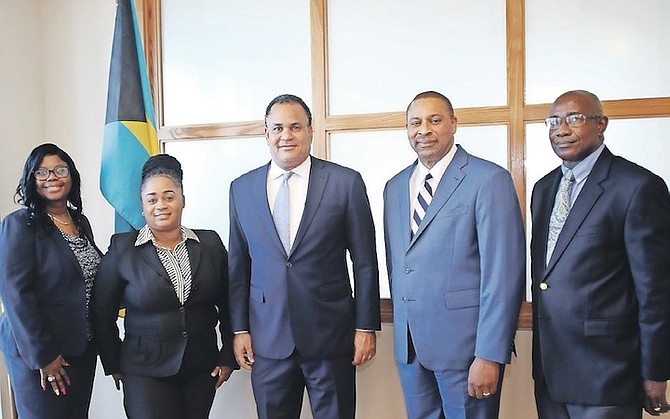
[223,373]
[55,376]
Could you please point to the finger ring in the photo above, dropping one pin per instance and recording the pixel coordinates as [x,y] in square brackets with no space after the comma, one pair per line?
[486,394]
[50,378]
[370,357]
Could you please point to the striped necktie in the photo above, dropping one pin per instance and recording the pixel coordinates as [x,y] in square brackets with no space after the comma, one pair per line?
[422,202]
[560,212]
[280,211]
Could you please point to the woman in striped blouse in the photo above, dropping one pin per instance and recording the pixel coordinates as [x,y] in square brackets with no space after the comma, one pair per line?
[173,283]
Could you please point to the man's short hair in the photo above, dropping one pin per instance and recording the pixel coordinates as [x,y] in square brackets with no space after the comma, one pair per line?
[288,98]
[431,94]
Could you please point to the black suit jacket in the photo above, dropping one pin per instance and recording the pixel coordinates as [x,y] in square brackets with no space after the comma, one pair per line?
[601,322]
[161,335]
[42,290]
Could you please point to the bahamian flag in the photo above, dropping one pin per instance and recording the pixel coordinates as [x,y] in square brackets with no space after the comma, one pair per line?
[130,129]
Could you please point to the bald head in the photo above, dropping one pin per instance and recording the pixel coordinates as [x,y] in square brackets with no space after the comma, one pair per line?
[586,98]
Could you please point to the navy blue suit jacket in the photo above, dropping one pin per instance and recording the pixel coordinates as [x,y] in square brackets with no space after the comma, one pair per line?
[304,299]
[602,323]
[458,283]
[43,292]
[157,327]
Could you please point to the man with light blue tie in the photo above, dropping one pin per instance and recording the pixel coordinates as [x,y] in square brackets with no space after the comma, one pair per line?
[297,323]
[456,262]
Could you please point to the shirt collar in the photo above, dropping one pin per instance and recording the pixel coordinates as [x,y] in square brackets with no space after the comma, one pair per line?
[584,167]
[301,170]
[145,235]
[438,168]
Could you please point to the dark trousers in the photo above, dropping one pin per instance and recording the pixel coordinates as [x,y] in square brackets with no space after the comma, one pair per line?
[279,386]
[34,403]
[181,396]
[549,409]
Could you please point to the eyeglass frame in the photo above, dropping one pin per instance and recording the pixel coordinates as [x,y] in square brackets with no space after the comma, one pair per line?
[49,171]
[579,121]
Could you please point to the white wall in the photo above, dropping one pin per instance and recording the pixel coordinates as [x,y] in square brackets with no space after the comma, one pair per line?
[21,113]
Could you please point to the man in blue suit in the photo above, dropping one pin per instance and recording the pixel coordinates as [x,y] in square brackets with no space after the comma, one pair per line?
[455,255]
[296,322]
[601,275]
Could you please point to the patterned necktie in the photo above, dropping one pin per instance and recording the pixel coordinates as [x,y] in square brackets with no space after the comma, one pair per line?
[560,212]
[423,201]
[280,211]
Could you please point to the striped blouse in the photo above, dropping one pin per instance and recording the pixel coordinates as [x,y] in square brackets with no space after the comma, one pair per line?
[176,262]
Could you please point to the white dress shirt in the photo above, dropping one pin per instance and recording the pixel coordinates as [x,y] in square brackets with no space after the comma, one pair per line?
[298,184]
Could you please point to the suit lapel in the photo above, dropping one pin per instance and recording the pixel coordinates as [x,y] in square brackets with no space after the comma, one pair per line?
[582,206]
[194,257]
[64,247]
[546,195]
[318,179]
[451,178]
[259,193]
[404,203]
[148,252]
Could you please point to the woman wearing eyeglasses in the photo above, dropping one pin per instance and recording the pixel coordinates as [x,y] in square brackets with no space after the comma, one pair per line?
[48,261]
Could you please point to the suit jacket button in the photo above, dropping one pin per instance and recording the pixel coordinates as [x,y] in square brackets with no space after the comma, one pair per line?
[181,309]
[543,286]
[184,334]
[289,265]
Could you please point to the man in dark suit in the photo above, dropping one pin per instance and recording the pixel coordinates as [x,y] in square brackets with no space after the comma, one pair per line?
[456,261]
[295,320]
[600,254]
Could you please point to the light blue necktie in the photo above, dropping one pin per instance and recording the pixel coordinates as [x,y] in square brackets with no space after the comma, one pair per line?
[560,212]
[424,198]
[280,211]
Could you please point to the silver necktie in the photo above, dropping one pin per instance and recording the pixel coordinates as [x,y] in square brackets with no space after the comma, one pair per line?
[280,211]
[560,212]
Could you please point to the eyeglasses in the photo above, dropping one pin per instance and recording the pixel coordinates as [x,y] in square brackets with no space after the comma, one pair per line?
[574,120]
[59,172]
